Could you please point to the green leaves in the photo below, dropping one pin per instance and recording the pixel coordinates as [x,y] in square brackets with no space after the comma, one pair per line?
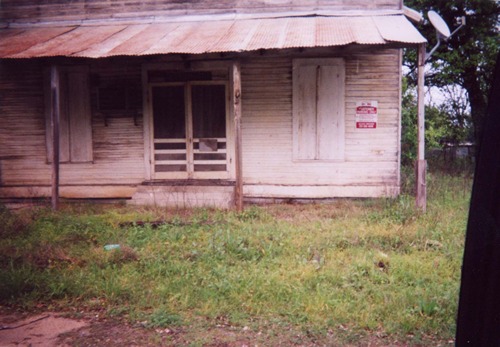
[466,59]
[441,126]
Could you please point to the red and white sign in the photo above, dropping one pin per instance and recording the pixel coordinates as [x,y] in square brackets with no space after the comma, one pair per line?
[366,114]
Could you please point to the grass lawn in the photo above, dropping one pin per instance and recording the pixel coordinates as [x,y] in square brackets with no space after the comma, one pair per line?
[345,271]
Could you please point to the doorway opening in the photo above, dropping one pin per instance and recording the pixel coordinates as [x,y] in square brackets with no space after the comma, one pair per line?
[190,130]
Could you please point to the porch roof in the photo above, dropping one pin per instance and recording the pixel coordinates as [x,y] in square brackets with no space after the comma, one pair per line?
[98,40]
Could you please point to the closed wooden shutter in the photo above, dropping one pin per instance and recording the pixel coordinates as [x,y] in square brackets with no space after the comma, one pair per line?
[305,110]
[79,114]
[64,156]
[318,109]
[75,128]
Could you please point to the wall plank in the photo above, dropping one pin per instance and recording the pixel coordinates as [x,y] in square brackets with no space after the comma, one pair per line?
[39,10]
[371,155]
[117,148]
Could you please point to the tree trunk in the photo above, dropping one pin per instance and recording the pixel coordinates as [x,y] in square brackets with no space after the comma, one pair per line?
[478,103]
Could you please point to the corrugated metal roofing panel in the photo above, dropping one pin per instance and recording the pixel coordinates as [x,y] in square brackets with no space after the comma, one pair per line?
[71,42]
[366,32]
[102,49]
[205,37]
[171,37]
[143,39]
[13,41]
[300,32]
[237,37]
[269,34]
[398,29]
[195,38]
[336,33]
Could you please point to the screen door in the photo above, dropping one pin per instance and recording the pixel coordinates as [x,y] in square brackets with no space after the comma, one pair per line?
[190,131]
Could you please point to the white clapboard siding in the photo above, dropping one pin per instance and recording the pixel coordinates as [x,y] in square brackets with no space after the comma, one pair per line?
[22,118]
[371,156]
[117,148]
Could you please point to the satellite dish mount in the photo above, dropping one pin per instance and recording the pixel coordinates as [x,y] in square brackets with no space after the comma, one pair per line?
[442,30]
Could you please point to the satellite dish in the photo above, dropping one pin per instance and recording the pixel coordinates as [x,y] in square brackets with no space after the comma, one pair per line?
[439,24]
[442,30]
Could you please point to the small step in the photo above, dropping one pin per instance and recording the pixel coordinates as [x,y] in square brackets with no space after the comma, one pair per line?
[184,196]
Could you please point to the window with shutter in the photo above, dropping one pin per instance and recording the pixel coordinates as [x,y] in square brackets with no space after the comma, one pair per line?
[318,109]
[75,130]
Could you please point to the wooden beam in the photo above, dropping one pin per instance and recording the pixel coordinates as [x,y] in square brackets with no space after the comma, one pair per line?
[421,165]
[147,119]
[238,188]
[54,124]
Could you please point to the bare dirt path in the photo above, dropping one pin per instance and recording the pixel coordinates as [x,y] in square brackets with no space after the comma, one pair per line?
[38,330]
[51,329]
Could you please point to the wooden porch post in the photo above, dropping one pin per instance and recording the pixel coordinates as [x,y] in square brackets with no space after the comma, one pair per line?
[421,195]
[54,123]
[238,188]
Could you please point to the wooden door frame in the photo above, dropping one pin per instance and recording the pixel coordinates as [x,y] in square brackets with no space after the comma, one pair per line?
[149,161]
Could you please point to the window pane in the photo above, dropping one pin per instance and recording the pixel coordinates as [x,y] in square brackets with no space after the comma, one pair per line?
[168,112]
[112,98]
[120,95]
[179,76]
[209,111]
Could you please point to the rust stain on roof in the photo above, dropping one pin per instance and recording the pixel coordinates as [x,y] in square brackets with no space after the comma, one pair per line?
[114,41]
[14,41]
[142,40]
[98,41]
[69,42]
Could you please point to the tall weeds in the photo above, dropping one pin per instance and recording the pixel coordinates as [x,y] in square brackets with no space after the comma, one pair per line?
[357,267]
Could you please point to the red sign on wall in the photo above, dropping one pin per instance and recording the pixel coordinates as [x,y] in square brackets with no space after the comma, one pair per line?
[366,114]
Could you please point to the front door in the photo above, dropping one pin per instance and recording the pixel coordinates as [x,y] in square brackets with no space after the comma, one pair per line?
[190,130]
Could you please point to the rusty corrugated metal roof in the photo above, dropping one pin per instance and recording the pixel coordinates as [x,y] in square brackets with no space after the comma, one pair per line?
[97,41]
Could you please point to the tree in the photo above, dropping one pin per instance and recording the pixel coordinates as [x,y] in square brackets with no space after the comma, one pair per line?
[438,125]
[468,58]
[456,107]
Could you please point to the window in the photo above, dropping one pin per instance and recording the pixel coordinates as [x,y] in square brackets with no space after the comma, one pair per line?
[318,109]
[120,96]
[75,128]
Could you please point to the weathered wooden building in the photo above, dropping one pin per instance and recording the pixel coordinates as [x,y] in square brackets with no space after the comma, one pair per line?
[188,102]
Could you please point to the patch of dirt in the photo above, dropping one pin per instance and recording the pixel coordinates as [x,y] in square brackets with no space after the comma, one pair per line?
[39,330]
[49,329]
[56,329]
